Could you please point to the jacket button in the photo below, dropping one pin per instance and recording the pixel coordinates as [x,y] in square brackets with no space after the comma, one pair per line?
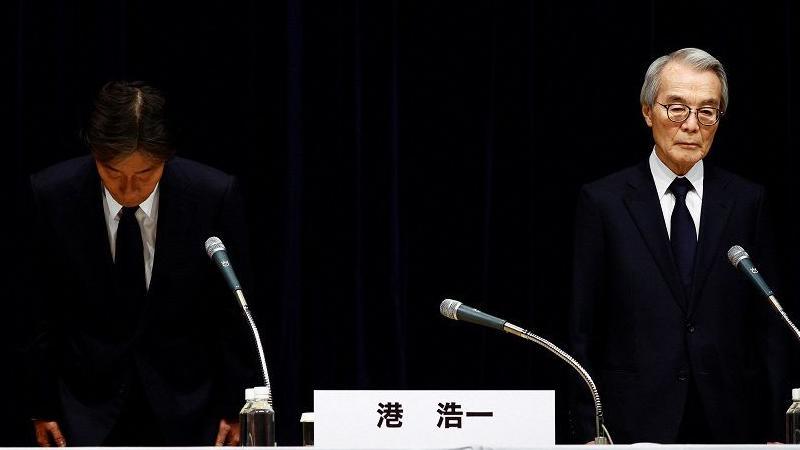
[690,327]
[683,375]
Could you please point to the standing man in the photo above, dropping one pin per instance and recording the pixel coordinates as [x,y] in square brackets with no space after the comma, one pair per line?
[137,340]
[680,345]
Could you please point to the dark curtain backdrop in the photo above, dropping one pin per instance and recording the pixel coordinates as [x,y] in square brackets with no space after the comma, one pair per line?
[396,153]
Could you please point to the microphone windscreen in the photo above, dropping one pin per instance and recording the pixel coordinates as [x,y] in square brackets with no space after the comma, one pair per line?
[213,245]
[736,254]
[449,307]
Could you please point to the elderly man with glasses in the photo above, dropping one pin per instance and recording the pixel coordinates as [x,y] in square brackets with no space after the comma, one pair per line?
[681,347]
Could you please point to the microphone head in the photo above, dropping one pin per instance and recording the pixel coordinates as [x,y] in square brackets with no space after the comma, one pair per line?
[213,245]
[736,254]
[449,307]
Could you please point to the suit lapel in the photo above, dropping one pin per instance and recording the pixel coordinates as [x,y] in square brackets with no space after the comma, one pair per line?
[96,243]
[645,209]
[713,219]
[173,222]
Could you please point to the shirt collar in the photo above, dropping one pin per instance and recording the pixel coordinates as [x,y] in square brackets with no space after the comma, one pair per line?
[114,206]
[664,176]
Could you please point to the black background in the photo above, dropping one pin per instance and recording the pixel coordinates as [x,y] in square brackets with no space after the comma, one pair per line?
[395,153]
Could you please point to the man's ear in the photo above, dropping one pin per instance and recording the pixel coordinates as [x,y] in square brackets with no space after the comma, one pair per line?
[646,112]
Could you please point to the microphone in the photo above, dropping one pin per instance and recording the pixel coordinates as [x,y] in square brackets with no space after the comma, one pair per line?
[453,309]
[741,260]
[216,251]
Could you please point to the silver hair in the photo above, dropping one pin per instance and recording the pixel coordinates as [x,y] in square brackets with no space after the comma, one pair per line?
[692,57]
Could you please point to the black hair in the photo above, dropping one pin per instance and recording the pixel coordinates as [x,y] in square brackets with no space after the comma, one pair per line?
[129,116]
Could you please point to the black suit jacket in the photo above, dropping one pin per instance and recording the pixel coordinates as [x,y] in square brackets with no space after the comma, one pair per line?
[642,336]
[186,343]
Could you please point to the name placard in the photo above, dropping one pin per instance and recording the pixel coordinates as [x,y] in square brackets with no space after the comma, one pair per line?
[417,418]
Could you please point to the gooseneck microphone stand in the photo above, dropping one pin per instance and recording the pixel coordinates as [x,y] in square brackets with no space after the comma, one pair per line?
[740,259]
[216,251]
[453,309]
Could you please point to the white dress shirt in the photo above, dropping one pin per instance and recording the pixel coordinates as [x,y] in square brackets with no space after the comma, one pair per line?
[663,177]
[146,215]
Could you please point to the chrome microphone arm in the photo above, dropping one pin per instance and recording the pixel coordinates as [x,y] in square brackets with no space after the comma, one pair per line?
[774,301]
[243,303]
[602,436]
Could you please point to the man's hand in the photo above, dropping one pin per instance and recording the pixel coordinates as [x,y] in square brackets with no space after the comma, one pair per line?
[228,433]
[48,433]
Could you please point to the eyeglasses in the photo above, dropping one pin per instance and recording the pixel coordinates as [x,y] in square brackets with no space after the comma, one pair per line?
[678,112]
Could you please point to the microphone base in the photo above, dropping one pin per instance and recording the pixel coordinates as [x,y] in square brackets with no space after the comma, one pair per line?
[600,440]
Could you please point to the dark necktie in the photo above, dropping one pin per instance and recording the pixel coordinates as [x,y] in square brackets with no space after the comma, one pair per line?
[683,235]
[129,260]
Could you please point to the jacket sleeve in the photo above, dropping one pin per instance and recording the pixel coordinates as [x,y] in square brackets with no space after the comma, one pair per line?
[40,312]
[587,289]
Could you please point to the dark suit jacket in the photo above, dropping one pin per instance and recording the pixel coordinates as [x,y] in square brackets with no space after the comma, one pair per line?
[642,337]
[187,343]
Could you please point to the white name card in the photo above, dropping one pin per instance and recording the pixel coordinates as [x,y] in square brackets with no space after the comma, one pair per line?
[427,419]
